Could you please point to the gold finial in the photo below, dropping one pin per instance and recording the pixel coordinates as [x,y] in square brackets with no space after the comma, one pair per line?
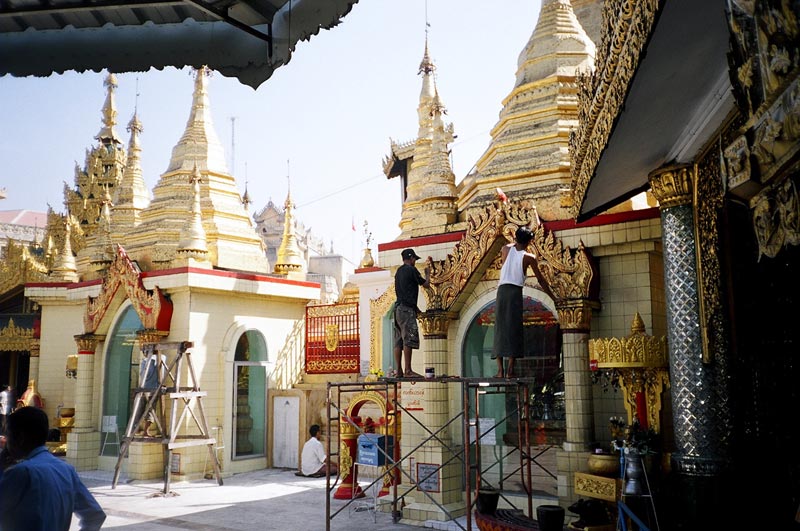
[193,236]
[107,133]
[637,326]
[290,259]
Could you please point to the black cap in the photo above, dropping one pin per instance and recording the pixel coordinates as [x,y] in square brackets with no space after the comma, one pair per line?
[409,253]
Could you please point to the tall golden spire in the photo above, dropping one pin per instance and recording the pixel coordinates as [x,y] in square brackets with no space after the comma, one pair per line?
[65,268]
[132,193]
[107,133]
[100,245]
[199,143]
[529,150]
[430,202]
[230,236]
[290,259]
[193,237]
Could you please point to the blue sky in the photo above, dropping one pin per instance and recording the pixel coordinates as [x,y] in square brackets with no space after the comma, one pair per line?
[330,112]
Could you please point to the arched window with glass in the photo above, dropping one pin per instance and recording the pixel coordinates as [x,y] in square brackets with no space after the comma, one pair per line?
[250,396]
[121,372]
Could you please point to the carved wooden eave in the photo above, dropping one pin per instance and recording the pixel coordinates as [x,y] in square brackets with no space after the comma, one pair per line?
[627,25]
[567,274]
[16,338]
[19,267]
[152,307]
[764,59]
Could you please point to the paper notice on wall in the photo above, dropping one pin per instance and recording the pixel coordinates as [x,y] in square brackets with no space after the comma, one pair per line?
[486,431]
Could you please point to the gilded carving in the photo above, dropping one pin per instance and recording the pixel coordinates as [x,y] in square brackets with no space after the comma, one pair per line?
[87,343]
[345,460]
[709,193]
[597,486]
[627,25]
[737,162]
[672,185]
[154,310]
[378,308]
[331,310]
[639,362]
[575,316]
[16,338]
[332,365]
[435,323]
[450,276]
[566,273]
[776,219]
[20,266]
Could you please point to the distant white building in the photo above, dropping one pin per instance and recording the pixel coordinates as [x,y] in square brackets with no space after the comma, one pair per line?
[23,226]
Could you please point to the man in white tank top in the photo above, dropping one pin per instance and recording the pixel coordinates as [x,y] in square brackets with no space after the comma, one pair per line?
[508,329]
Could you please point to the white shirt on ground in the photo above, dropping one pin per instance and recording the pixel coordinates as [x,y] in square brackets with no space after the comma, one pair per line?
[313,457]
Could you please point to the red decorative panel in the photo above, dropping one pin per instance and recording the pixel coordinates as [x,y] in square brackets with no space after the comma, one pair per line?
[152,307]
[332,340]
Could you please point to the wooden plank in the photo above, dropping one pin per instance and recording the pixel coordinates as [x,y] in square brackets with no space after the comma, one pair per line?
[194,442]
[188,394]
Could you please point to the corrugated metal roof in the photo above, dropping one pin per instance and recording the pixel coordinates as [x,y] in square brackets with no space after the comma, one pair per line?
[247,39]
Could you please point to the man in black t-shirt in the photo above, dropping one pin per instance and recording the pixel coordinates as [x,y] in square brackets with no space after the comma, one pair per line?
[407,281]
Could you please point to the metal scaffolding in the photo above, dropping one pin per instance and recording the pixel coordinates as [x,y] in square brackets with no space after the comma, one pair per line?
[517,392]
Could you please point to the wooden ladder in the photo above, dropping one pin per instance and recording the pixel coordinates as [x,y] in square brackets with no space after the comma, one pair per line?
[169,386]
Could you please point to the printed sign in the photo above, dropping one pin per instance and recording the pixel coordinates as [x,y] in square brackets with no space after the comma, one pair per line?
[486,431]
[428,477]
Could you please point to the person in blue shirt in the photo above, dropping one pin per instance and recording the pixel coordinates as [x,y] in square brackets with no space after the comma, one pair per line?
[38,491]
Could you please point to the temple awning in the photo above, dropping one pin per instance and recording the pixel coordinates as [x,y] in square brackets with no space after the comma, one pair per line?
[246,39]
[653,100]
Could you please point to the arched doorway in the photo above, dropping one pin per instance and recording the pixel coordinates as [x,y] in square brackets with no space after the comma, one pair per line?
[250,396]
[121,371]
[542,362]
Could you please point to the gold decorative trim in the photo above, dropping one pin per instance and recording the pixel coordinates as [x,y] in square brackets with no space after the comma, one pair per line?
[378,308]
[336,365]
[568,274]
[672,185]
[709,205]
[16,338]
[627,25]
[776,219]
[331,310]
[640,363]
[345,459]
[638,350]
[153,309]
[475,252]
[19,267]
[435,323]
[608,489]
[574,315]
[151,336]
[87,343]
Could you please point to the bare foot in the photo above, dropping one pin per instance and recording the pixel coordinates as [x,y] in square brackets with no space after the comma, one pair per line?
[411,374]
[498,375]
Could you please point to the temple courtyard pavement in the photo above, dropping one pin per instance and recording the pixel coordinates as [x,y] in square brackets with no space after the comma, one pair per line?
[271,499]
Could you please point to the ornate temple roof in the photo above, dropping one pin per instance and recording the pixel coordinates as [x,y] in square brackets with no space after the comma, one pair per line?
[661,85]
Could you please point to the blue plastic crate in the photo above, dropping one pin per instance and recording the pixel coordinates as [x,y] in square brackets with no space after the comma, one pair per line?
[368,453]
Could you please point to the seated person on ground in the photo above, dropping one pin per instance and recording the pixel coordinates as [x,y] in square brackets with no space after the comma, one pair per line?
[313,461]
